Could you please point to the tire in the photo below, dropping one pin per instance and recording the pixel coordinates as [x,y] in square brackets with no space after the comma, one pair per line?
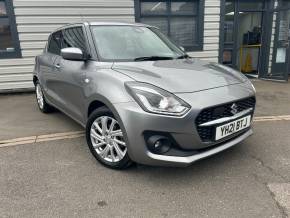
[106,141]
[43,106]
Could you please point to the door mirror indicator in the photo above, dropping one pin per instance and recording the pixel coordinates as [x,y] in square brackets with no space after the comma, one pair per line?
[74,54]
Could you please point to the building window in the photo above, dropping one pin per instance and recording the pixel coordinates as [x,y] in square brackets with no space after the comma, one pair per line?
[181,20]
[9,42]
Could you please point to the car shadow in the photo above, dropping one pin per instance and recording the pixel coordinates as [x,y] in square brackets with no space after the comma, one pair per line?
[214,165]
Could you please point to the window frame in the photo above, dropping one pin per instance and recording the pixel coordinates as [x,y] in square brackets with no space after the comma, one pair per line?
[198,46]
[14,33]
[87,50]
[62,29]
[49,41]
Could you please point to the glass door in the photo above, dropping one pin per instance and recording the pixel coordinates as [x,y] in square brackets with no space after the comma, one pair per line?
[242,32]
[280,59]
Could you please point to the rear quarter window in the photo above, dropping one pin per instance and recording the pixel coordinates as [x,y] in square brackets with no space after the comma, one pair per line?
[54,44]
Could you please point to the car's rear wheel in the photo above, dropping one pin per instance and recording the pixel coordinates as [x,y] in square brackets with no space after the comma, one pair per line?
[106,140]
[41,102]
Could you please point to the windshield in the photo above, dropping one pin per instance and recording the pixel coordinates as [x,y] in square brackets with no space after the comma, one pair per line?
[132,43]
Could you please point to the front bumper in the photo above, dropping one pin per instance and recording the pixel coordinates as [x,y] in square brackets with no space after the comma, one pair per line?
[136,122]
[176,160]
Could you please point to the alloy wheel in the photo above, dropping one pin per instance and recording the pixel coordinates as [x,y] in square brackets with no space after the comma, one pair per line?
[107,139]
[39,96]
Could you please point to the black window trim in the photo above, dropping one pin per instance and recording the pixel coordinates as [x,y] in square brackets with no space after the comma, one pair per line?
[199,15]
[49,40]
[14,33]
[62,29]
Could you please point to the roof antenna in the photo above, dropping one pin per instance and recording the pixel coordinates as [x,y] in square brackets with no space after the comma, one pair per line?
[82,17]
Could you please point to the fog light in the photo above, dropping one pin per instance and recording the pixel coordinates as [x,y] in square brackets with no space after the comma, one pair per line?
[159,144]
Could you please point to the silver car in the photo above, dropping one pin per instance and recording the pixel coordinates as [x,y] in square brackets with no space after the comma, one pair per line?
[140,97]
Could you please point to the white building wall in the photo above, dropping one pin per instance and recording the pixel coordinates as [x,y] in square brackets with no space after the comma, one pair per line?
[272,39]
[211,32]
[35,19]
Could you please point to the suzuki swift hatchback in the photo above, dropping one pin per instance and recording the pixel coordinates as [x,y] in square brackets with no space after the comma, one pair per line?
[140,96]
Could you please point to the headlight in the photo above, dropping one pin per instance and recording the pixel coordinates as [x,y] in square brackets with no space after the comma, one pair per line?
[156,100]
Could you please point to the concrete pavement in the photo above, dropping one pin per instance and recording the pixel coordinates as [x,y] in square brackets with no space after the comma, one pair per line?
[62,179]
[272,98]
[20,117]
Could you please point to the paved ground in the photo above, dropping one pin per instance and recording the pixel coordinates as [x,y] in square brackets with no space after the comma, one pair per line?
[61,179]
[20,117]
[273,98]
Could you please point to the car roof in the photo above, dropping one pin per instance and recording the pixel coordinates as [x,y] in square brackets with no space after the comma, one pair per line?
[94,23]
[116,24]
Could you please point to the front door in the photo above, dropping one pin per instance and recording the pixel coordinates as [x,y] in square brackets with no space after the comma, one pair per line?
[50,72]
[72,74]
[280,59]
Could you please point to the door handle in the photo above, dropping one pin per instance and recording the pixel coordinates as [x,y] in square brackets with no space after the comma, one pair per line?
[57,66]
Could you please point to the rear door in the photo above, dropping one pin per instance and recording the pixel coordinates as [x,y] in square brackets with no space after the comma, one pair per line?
[72,73]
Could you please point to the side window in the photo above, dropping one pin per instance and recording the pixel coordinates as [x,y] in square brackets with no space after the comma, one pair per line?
[54,45]
[74,37]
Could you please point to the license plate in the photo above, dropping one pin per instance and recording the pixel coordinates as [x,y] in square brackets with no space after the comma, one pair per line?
[232,127]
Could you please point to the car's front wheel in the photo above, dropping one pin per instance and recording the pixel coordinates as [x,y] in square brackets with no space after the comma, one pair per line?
[106,140]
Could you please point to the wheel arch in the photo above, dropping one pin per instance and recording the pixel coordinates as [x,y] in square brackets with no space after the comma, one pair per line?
[93,106]
[97,101]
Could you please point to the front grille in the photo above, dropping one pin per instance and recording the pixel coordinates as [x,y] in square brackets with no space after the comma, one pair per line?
[220,111]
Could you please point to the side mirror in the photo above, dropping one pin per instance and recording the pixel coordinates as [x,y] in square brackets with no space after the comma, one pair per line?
[182,48]
[74,54]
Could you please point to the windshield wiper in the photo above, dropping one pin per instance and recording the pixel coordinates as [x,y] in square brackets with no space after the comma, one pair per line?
[153,58]
[183,56]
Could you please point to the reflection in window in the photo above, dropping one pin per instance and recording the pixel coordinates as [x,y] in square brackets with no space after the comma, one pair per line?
[228,32]
[182,30]
[227,57]
[176,18]
[2,9]
[6,43]
[229,28]
[284,4]
[153,7]
[250,5]
[183,7]
[74,37]
[229,21]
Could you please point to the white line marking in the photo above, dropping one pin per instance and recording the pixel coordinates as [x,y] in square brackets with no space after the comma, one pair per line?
[272,118]
[79,134]
[41,138]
